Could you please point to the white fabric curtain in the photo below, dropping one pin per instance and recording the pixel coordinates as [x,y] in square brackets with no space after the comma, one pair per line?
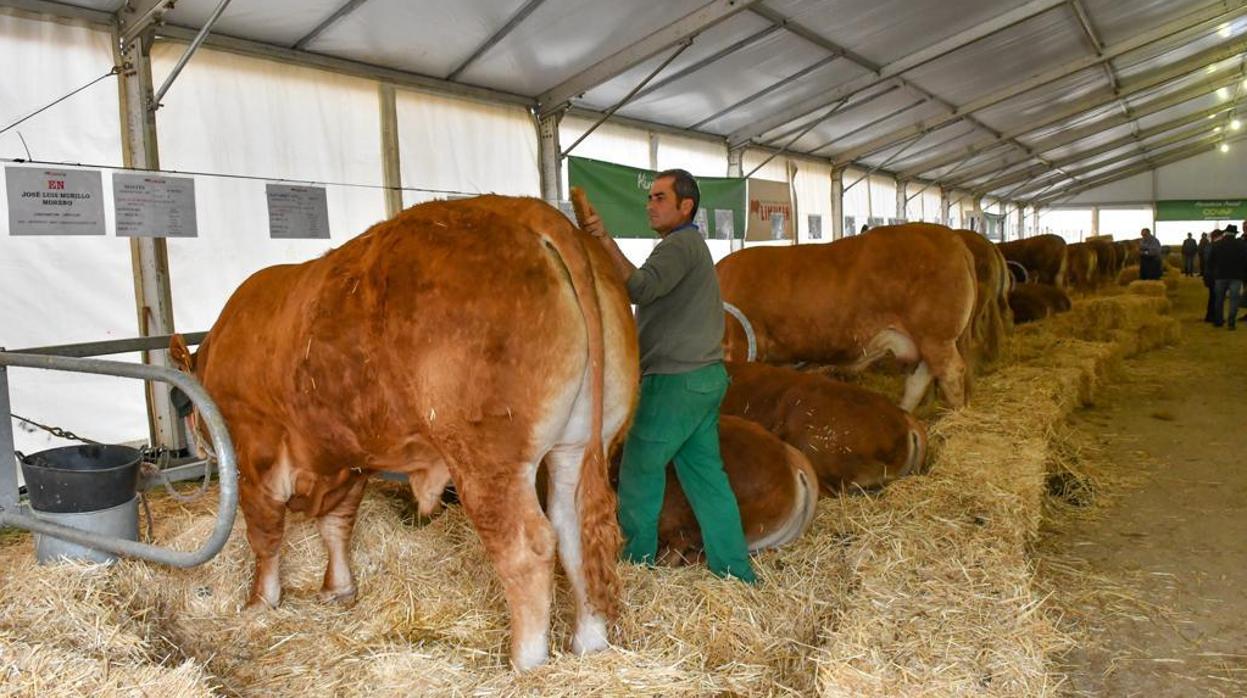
[882,196]
[58,290]
[700,157]
[813,190]
[465,147]
[246,116]
[856,200]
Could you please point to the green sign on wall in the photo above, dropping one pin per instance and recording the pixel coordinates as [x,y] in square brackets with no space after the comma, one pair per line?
[619,194]
[1202,210]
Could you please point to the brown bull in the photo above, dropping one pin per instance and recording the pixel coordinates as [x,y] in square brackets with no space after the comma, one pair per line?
[775,487]
[992,316]
[1108,259]
[852,436]
[467,341]
[1032,302]
[907,290]
[1082,266]
[1043,256]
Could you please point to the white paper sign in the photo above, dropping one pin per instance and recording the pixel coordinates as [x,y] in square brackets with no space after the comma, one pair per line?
[151,206]
[54,202]
[296,212]
[724,222]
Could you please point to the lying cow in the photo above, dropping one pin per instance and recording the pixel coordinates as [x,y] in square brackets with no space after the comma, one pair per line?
[992,316]
[470,339]
[908,290]
[854,437]
[1043,256]
[775,485]
[1032,302]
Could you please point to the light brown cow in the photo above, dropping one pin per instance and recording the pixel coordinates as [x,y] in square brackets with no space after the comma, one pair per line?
[992,316]
[470,340]
[1043,256]
[1032,302]
[1082,266]
[775,485]
[907,290]
[854,437]
[1108,259]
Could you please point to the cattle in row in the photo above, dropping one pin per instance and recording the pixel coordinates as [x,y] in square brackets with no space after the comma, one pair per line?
[854,437]
[908,290]
[466,341]
[1032,302]
[992,316]
[1109,260]
[1043,257]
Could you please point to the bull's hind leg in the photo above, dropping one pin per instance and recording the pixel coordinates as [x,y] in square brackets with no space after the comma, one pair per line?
[950,371]
[266,524]
[335,528]
[564,468]
[502,504]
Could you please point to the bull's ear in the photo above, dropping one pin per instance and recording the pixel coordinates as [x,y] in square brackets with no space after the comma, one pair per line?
[180,353]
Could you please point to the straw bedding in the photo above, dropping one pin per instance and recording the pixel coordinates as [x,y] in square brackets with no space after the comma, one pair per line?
[923,588]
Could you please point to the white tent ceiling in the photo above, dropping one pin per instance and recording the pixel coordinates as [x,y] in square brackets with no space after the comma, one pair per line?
[1002,97]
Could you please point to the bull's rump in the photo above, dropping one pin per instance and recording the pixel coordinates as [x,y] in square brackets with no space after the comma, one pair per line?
[449,322]
[824,302]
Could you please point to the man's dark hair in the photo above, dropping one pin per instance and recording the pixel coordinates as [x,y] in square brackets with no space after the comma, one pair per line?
[685,188]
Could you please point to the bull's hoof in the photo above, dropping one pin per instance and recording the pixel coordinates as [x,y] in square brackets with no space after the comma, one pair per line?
[339,597]
[257,605]
[590,636]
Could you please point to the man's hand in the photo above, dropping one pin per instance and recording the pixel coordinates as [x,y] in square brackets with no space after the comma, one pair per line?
[593,225]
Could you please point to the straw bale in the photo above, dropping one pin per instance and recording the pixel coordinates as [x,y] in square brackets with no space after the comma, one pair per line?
[1128,274]
[1147,288]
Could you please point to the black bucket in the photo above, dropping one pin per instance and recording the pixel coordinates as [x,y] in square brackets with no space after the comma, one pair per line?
[74,479]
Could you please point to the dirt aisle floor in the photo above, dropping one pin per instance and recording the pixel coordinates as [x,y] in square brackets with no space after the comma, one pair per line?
[1152,578]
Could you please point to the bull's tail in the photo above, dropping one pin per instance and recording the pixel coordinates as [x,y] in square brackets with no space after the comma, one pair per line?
[595,500]
[916,462]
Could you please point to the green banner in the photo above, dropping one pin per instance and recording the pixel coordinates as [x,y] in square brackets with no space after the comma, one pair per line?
[1202,210]
[619,193]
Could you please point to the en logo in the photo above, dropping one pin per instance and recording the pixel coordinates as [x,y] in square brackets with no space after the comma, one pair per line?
[56,184]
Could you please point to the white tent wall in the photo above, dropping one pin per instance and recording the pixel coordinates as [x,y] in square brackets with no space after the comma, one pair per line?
[465,147]
[856,200]
[1211,175]
[58,290]
[245,116]
[882,196]
[812,186]
[1124,223]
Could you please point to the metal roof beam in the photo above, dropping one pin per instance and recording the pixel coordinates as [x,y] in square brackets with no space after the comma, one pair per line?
[1157,149]
[60,10]
[1183,135]
[680,30]
[709,60]
[497,36]
[346,9]
[1137,137]
[1137,168]
[1133,86]
[782,82]
[1208,16]
[921,57]
[1076,134]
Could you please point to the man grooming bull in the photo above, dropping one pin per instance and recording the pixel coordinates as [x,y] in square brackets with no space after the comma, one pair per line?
[680,323]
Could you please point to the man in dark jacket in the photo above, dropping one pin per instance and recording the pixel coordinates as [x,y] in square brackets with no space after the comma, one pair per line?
[1189,250]
[1229,268]
[1210,281]
[1151,266]
[1202,256]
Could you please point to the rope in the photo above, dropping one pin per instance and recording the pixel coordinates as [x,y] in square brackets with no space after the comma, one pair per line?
[112,71]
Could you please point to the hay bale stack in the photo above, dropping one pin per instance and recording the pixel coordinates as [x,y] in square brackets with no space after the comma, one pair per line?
[1127,275]
[1147,288]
